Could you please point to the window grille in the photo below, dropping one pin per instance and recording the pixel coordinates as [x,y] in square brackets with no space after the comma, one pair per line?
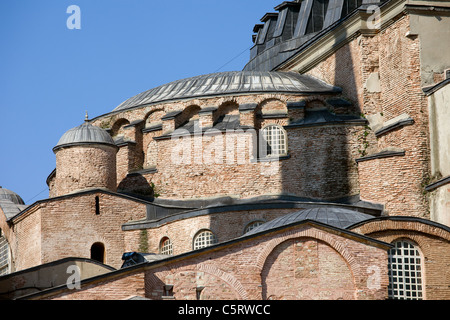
[252,226]
[204,239]
[405,272]
[275,139]
[166,246]
[4,256]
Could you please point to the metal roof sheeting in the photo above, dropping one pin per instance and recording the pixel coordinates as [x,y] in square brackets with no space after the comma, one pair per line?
[333,216]
[233,82]
[9,195]
[85,134]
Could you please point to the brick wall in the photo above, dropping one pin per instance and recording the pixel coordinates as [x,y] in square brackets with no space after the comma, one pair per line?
[433,244]
[226,226]
[381,74]
[69,226]
[83,167]
[245,270]
[321,163]
[26,241]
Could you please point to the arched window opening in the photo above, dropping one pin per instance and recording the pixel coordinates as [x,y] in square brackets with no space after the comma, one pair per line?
[98,252]
[5,260]
[405,271]
[166,247]
[274,142]
[204,238]
[253,225]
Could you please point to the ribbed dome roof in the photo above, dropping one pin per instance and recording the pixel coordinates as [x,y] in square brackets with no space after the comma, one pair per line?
[333,216]
[233,82]
[84,134]
[9,195]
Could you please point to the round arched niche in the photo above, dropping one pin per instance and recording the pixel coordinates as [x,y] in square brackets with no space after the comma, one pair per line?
[306,269]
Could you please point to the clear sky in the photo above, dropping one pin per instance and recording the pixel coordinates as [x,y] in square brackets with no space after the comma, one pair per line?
[50,74]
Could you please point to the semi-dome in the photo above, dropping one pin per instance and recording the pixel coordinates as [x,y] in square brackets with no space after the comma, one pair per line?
[333,216]
[85,134]
[11,196]
[233,82]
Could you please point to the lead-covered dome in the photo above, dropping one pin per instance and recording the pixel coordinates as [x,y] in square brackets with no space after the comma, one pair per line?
[233,82]
[85,134]
[11,196]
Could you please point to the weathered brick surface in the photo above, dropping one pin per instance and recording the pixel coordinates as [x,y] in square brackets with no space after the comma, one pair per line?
[225,226]
[433,244]
[321,163]
[84,167]
[394,182]
[248,269]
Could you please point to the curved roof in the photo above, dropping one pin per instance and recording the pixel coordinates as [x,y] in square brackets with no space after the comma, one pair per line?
[333,216]
[11,196]
[233,82]
[85,134]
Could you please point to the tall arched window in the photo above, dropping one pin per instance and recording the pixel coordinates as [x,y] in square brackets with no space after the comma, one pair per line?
[204,238]
[5,261]
[405,271]
[98,252]
[165,246]
[274,141]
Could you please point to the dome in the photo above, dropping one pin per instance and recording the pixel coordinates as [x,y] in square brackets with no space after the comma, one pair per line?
[85,134]
[233,82]
[11,196]
[333,216]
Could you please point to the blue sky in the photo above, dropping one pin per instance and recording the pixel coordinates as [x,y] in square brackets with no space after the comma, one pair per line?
[50,75]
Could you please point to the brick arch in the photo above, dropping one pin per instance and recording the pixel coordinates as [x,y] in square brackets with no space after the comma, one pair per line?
[268,105]
[227,107]
[150,116]
[228,278]
[190,112]
[307,233]
[377,225]
[118,125]
[260,99]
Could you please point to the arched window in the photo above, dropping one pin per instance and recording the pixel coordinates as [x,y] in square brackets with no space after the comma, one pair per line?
[5,261]
[165,246]
[405,271]
[204,238]
[253,225]
[274,141]
[98,252]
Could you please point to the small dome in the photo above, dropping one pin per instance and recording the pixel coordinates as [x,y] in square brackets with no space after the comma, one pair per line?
[9,195]
[85,134]
[333,216]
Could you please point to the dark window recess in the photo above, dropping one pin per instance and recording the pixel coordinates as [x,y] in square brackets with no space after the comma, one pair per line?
[97,205]
[98,252]
[349,6]
[317,16]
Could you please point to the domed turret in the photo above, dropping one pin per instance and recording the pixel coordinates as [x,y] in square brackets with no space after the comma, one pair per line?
[85,159]
[9,195]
